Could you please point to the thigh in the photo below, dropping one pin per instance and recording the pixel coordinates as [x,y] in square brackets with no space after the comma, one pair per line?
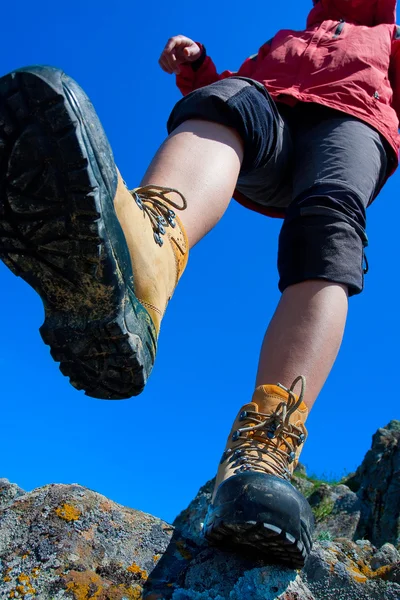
[338,151]
[246,106]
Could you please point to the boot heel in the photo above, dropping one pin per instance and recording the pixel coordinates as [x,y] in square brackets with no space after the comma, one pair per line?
[99,356]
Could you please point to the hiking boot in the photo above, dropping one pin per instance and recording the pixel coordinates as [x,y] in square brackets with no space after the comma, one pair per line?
[254,504]
[105,261]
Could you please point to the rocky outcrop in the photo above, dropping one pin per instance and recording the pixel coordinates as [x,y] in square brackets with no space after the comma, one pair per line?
[67,542]
[377,485]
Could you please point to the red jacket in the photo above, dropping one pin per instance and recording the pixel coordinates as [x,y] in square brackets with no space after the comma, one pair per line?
[348,58]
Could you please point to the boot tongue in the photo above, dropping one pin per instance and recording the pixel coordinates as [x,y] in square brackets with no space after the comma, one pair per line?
[268,397]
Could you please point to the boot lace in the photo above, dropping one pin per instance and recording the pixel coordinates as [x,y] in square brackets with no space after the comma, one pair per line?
[155,203]
[273,437]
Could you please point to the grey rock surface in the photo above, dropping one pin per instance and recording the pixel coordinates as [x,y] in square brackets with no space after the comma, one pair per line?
[67,542]
[8,492]
[337,510]
[387,555]
[377,484]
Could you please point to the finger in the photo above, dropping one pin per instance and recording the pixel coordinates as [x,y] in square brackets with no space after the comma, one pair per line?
[170,45]
[174,63]
[192,53]
[187,54]
[171,62]
[167,61]
[164,65]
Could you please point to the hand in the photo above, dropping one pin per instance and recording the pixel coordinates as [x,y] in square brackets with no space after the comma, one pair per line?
[178,50]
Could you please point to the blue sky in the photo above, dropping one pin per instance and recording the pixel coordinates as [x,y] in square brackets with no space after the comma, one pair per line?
[153,452]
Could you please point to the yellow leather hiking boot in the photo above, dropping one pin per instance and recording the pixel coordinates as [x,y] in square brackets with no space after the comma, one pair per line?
[104,261]
[254,504]
[157,242]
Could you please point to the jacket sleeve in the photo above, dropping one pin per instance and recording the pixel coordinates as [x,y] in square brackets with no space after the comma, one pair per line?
[394,74]
[203,72]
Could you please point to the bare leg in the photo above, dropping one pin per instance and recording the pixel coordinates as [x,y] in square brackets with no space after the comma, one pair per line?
[304,336]
[202,160]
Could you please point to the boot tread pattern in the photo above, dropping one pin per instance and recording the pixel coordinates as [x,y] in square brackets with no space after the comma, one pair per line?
[274,543]
[52,236]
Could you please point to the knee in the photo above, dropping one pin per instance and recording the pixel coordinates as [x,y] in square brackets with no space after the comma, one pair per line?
[323,237]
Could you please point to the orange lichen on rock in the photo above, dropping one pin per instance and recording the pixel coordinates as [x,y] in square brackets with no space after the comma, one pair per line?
[367,572]
[68,512]
[23,588]
[136,593]
[87,585]
[156,557]
[382,571]
[134,568]
[357,575]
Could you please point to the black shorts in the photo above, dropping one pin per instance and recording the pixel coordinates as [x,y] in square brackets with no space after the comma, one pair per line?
[321,166]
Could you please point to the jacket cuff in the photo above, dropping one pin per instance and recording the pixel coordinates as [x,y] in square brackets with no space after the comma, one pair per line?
[199,61]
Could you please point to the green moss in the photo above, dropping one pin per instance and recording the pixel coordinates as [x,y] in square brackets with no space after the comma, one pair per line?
[323,510]
[324,536]
[301,475]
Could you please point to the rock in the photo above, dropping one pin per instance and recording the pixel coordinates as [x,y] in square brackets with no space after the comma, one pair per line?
[387,555]
[366,550]
[336,510]
[300,480]
[63,542]
[190,521]
[391,573]
[300,470]
[67,542]
[337,571]
[8,491]
[304,485]
[377,484]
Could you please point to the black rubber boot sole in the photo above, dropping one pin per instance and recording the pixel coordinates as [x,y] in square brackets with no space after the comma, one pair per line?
[59,232]
[263,515]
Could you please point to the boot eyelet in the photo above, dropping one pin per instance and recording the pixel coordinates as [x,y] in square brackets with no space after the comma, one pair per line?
[235,436]
[291,458]
[158,239]
[161,229]
[270,434]
[243,415]
[161,220]
[138,200]
[171,214]
[243,468]
[302,439]
[225,455]
[171,222]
